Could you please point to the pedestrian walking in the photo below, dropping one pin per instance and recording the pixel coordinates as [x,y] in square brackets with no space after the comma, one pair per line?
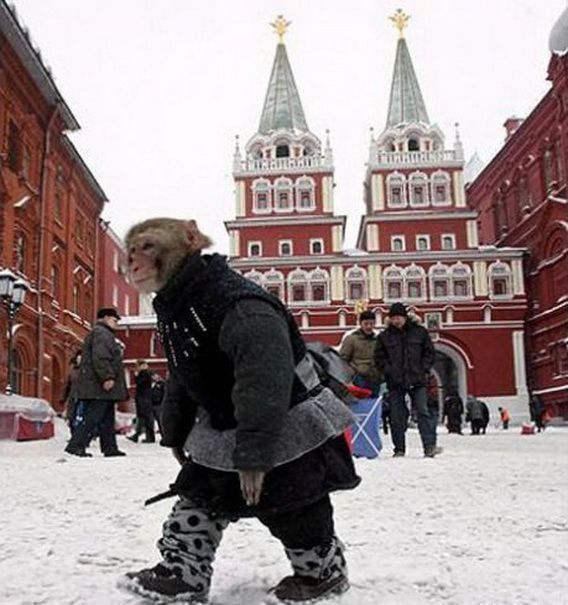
[505,418]
[358,349]
[158,390]
[475,414]
[404,354]
[143,400]
[453,412]
[537,412]
[69,395]
[100,384]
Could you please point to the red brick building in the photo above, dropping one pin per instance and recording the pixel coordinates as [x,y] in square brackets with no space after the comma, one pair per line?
[50,207]
[418,240]
[521,200]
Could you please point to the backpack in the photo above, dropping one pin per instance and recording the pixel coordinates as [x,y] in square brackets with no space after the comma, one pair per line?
[331,370]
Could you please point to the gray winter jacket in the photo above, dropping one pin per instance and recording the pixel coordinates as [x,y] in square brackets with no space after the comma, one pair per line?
[101,361]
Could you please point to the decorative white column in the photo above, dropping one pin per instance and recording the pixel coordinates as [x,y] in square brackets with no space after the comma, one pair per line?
[480,278]
[459,190]
[234,243]
[375,282]
[337,238]
[472,236]
[372,237]
[337,287]
[240,199]
[518,281]
[377,192]
[520,368]
[327,193]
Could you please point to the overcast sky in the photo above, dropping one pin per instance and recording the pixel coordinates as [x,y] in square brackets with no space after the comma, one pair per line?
[160,87]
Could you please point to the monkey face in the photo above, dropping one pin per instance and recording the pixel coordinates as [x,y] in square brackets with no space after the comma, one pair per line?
[157,247]
[146,253]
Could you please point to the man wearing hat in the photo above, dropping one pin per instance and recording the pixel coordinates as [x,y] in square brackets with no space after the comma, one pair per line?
[405,354]
[100,385]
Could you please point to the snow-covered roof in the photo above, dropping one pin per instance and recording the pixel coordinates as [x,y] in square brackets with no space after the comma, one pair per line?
[558,40]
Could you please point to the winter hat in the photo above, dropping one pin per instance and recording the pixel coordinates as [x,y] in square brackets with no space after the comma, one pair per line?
[367,315]
[107,312]
[397,309]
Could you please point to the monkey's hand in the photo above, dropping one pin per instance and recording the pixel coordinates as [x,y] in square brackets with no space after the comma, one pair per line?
[251,486]
[108,384]
[179,454]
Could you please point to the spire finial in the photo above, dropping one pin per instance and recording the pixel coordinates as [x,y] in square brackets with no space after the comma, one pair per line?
[400,20]
[280,27]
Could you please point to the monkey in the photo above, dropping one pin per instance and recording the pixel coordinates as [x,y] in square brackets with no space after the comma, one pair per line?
[255,436]
[157,246]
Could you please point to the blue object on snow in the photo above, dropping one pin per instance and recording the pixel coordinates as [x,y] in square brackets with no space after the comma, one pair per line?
[366,436]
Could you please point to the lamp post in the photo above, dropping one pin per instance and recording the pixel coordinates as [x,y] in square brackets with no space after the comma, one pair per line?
[12,293]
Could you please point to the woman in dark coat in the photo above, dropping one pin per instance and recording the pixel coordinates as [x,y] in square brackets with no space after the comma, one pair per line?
[69,396]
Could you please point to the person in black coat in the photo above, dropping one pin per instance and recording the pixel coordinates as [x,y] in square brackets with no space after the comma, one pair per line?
[405,354]
[255,430]
[158,391]
[453,412]
[143,399]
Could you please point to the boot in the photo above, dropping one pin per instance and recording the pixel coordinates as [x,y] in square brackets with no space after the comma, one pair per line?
[302,589]
[78,452]
[114,453]
[133,438]
[432,450]
[162,585]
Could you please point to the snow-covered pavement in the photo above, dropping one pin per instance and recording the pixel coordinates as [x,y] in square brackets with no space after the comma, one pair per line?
[486,523]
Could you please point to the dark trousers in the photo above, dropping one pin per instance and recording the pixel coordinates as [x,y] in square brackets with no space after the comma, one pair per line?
[427,420]
[145,421]
[476,426]
[98,416]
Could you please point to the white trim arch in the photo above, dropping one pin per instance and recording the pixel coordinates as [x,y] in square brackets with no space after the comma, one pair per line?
[418,180]
[356,276]
[439,274]
[274,279]
[319,278]
[283,187]
[297,278]
[396,181]
[460,358]
[441,178]
[460,272]
[261,187]
[414,275]
[305,190]
[500,272]
[255,277]
[393,283]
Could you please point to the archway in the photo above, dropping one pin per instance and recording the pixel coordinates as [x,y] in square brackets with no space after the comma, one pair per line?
[451,369]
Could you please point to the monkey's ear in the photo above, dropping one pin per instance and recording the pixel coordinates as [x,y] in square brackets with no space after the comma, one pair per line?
[197,240]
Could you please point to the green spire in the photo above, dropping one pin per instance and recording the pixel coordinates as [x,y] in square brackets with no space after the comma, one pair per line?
[406,103]
[282,106]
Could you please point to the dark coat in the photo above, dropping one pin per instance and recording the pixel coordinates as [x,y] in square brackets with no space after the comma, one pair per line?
[101,360]
[143,394]
[252,357]
[404,356]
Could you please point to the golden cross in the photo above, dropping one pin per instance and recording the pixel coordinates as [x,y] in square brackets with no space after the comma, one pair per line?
[280,27]
[400,20]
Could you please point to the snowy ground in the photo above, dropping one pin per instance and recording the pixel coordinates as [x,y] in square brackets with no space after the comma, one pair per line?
[484,524]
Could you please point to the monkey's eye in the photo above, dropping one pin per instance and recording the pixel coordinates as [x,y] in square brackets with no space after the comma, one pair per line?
[147,246]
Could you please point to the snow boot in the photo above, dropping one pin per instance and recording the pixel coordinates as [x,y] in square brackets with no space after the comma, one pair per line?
[298,589]
[432,450]
[163,585]
[79,451]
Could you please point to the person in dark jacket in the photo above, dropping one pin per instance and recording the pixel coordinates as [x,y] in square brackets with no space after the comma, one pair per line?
[246,415]
[143,400]
[357,349]
[537,410]
[100,385]
[475,414]
[69,395]
[158,391]
[405,355]
[453,412]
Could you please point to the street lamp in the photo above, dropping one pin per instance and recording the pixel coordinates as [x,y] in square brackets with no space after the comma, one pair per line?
[12,293]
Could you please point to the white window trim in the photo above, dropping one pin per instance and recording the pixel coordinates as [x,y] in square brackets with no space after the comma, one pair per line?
[447,277]
[298,277]
[315,241]
[402,238]
[508,275]
[387,279]
[419,178]
[255,273]
[396,179]
[268,190]
[421,277]
[467,276]
[453,238]
[298,188]
[363,278]
[435,180]
[428,242]
[285,241]
[290,190]
[249,247]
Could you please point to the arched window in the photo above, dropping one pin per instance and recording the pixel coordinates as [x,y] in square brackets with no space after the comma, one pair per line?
[356,284]
[55,282]
[419,189]
[297,286]
[283,195]
[439,281]
[500,280]
[393,283]
[75,303]
[316,246]
[255,248]
[256,277]
[396,190]
[461,281]
[261,190]
[305,194]
[415,280]
[441,188]
[282,150]
[413,144]
[274,283]
[319,285]
[548,171]
[285,247]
